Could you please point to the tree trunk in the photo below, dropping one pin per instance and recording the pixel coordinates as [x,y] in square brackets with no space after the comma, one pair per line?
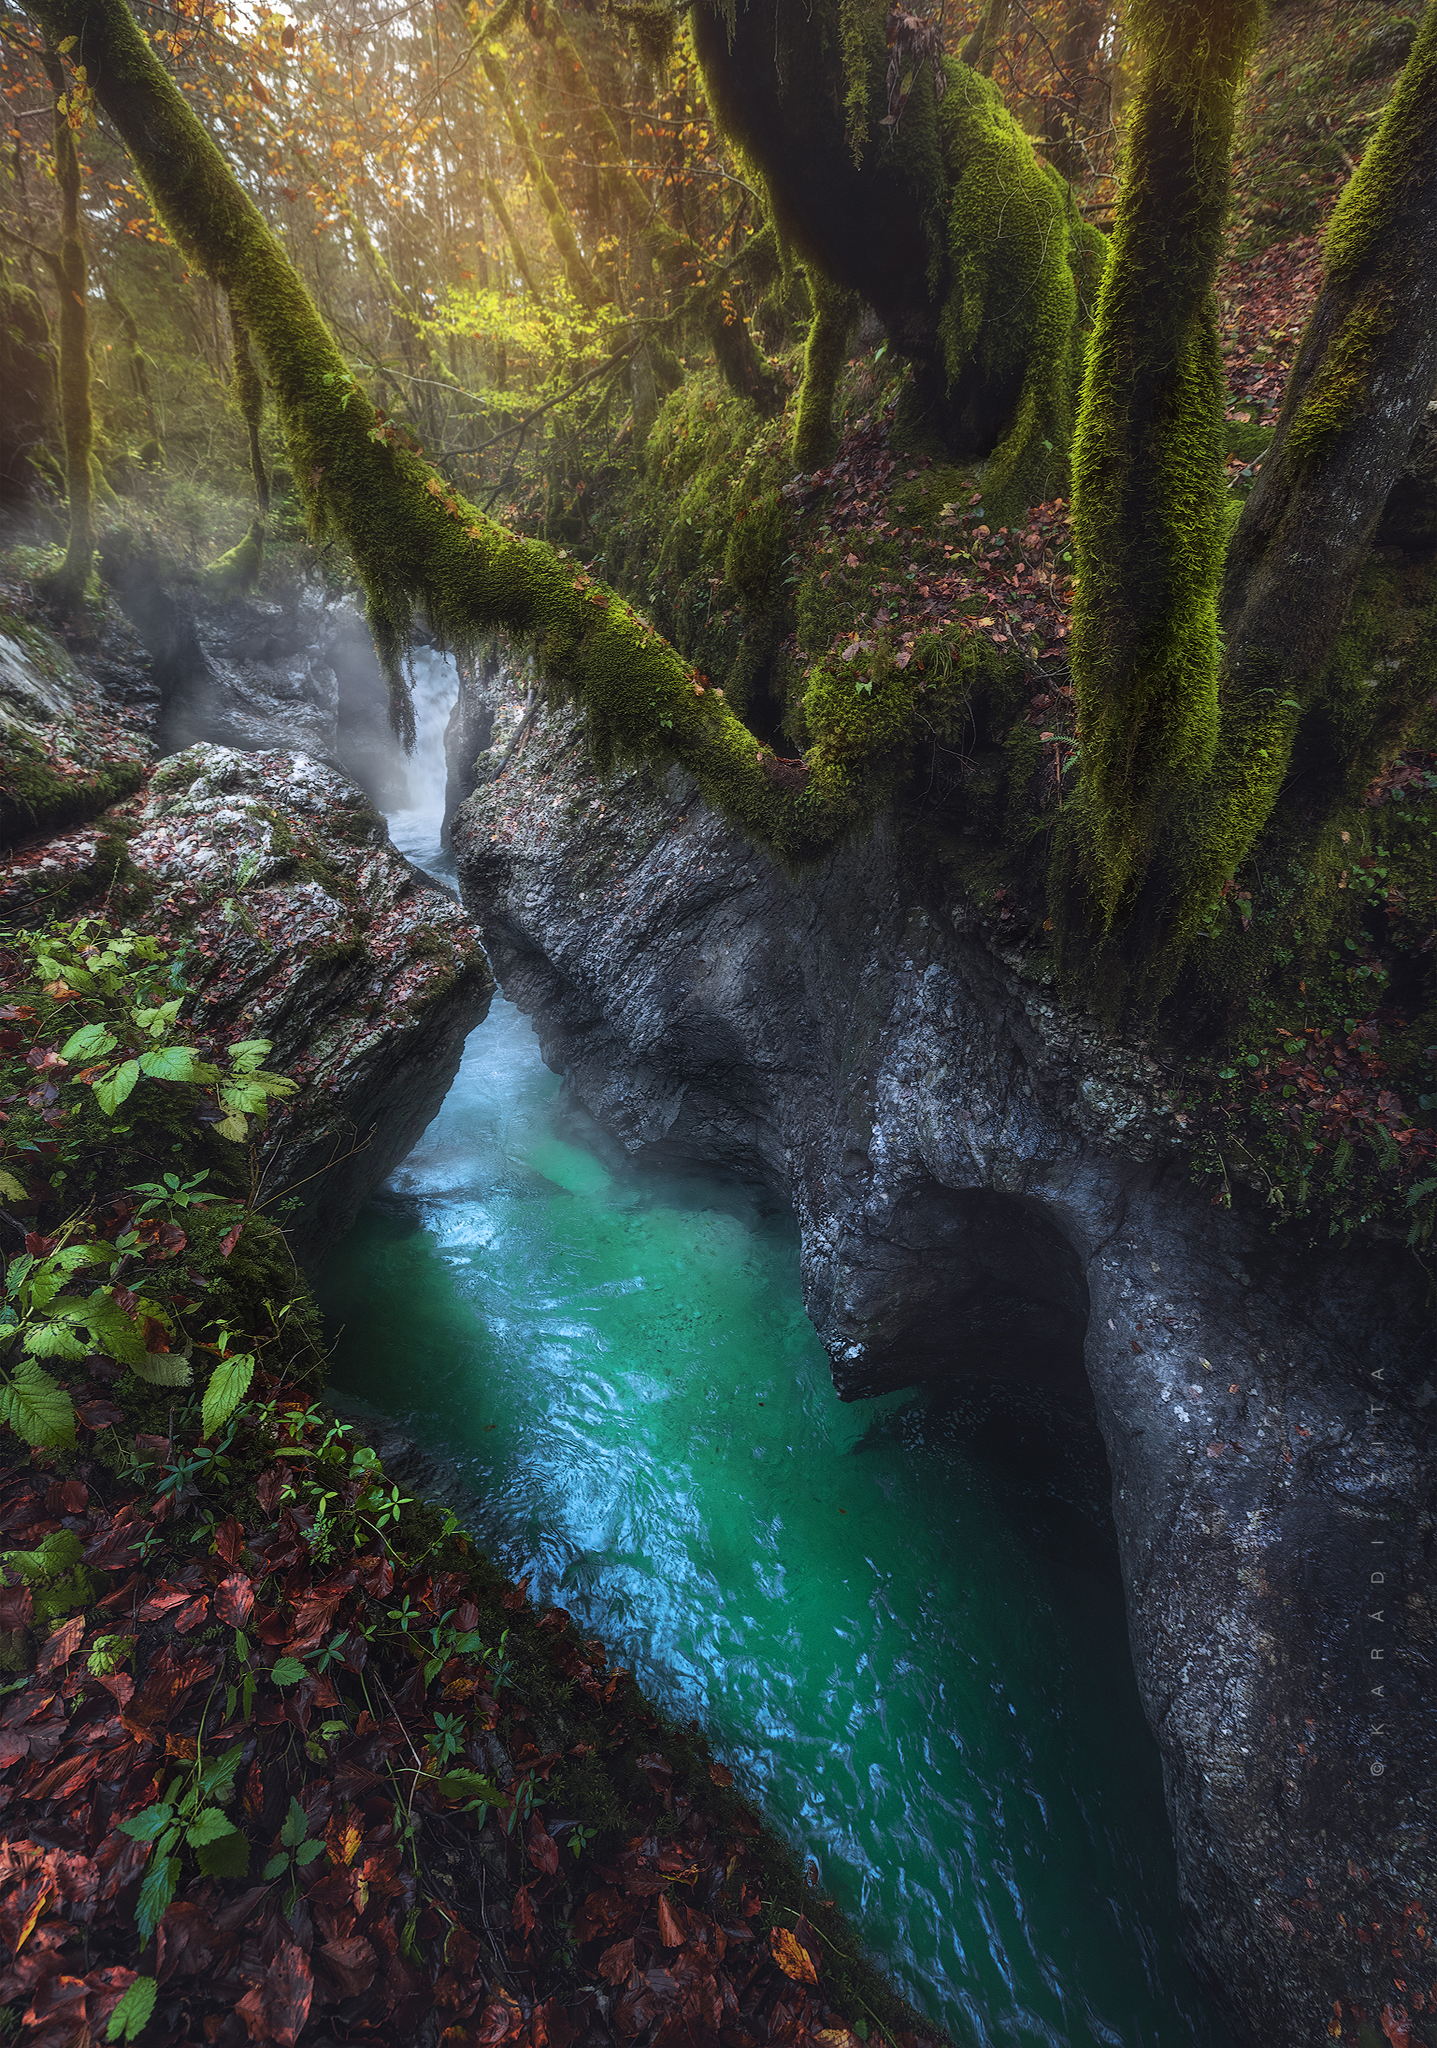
[1365,373]
[834,311]
[76,415]
[1147,457]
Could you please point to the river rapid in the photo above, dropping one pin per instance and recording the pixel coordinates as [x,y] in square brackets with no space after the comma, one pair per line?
[900,1620]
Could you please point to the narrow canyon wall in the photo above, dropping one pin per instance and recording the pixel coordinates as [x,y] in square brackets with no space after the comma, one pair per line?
[983,1187]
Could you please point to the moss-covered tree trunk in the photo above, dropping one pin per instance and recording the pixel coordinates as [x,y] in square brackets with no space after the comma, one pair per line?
[76,413]
[27,378]
[1365,373]
[413,541]
[1147,467]
[1187,742]
[834,311]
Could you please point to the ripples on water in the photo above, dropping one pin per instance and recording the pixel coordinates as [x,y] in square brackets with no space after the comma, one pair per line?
[902,1625]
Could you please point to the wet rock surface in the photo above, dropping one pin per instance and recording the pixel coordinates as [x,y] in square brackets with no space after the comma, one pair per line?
[299,921]
[983,1187]
[296,672]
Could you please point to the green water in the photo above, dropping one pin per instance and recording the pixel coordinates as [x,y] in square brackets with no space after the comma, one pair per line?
[903,1626]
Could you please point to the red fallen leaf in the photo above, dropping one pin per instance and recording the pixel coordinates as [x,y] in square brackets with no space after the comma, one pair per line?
[524,1918]
[120,1686]
[187,1942]
[230,1239]
[164,1597]
[312,1617]
[59,2001]
[550,2025]
[496,2023]
[234,1600]
[660,1774]
[99,1414]
[229,1540]
[191,1616]
[351,1963]
[277,2008]
[66,1497]
[514,1597]
[721,1775]
[376,1575]
[63,1781]
[17,1606]
[670,1932]
[543,1849]
[270,1488]
[600,1912]
[21,1910]
[617,1962]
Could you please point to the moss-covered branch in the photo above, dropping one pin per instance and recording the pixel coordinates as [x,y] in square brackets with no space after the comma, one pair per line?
[415,543]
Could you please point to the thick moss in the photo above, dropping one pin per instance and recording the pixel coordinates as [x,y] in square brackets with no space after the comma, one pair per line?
[238,571]
[834,311]
[35,800]
[1148,523]
[1011,311]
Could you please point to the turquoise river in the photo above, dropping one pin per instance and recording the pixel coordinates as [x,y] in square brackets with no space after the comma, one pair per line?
[900,1620]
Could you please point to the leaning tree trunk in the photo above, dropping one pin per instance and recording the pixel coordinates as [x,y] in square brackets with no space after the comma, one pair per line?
[413,541]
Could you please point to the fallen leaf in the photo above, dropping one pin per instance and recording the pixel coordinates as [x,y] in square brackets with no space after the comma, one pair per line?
[791,1958]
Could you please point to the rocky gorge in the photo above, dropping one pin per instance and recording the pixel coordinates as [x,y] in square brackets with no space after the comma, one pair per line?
[984,1187]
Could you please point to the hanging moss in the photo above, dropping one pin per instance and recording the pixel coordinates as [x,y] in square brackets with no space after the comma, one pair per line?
[249,390]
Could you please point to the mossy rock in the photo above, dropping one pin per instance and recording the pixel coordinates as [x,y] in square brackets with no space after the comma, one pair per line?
[235,574]
[38,801]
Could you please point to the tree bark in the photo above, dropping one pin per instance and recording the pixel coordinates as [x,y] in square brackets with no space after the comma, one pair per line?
[76,413]
[1365,373]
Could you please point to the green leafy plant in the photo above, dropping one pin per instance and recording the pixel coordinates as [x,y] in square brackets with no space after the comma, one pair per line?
[189,1816]
[58,1581]
[296,1850]
[132,2015]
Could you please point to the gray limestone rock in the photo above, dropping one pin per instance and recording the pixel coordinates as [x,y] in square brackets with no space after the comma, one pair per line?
[984,1186]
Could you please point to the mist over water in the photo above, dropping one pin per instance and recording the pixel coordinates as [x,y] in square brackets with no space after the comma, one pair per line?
[902,1624]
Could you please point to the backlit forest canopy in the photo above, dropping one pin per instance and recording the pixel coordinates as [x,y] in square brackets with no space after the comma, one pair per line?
[859,407]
